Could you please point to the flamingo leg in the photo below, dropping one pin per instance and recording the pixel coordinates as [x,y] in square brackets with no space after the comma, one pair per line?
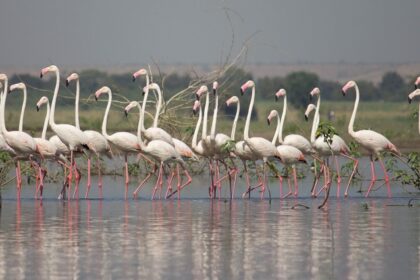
[18,179]
[127,177]
[290,188]
[88,179]
[77,178]
[189,180]
[264,181]
[161,181]
[178,185]
[248,182]
[386,178]
[355,164]
[140,186]
[337,167]
[281,185]
[70,176]
[158,180]
[373,179]
[211,178]
[314,187]
[99,177]
[169,189]
[295,181]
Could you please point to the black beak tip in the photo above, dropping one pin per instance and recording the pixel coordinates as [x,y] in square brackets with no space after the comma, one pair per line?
[194,112]
[214,91]
[143,93]
[41,75]
[197,97]
[126,113]
[37,108]
[409,100]
[306,118]
[242,92]
[268,121]
[96,98]
[133,78]
[9,91]
[343,92]
[276,98]
[67,83]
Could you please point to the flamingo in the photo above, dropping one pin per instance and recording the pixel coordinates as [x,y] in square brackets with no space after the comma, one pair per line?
[241,149]
[372,141]
[261,147]
[417,83]
[412,95]
[3,145]
[70,135]
[289,155]
[124,142]
[21,142]
[95,140]
[159,150]
[337,147]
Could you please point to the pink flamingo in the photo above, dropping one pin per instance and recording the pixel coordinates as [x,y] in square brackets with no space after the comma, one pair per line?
[68,134]
[261,147]
[95,140]
[372,141]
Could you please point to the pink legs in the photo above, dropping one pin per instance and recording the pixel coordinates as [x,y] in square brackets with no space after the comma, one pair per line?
[144,181]
[373,179]
[127,177]
[355,163]
[89,183]
[337,167]
[88,179]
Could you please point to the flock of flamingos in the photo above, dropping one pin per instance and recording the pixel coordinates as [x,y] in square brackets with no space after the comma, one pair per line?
[168,154]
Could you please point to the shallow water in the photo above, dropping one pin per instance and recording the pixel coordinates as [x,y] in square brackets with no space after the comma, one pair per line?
[354,238]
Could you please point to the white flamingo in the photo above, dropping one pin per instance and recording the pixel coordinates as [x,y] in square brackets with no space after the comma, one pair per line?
[411,97]
[21,142]
[123,142]
[294,140]
[372,141]
[68,134]
[159,150]
[289,156]
[3,145]
[95,140]
[261,147]
[337,147]
[241,149]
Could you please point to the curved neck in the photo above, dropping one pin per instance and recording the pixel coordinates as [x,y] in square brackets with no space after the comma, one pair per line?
[158,107]
[141,120]
[105,120]
[235,121]
[53,102]
[248,117]
[197,128]
[283,117]
[2,107]
[206,112]
[22,111]
[213,124]
[76,105]
[44,128]
[277,130]
[353,115]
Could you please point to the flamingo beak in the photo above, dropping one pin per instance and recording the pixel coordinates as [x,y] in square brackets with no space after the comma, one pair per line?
[126,113]
[214,91]
[268,121]
[67,83]
[197,97]
[194,112]
[276,98]
[409,100]
[343,92]
[96,98]
[41,75]
[37,108]
[133,78]
[143,93]
[306,118]
[242,92]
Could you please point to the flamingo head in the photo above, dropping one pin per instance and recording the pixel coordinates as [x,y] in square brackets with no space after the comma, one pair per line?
[43,100]
[3,77]
[203,89]
[130,106]
[196,106]
[272,115]
[417,83]
[215,86]
[73,76]
[314,92]
[21,86]
[101,91]
[51,68]
[309,109]
[248,84]
[348,85]
[280,93]
[412,95]
[141,72]
[232,100]
[150,86]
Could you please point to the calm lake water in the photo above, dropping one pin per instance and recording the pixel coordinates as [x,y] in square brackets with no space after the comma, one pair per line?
[354,238]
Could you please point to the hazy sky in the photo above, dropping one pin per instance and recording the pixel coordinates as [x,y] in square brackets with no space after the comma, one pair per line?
[110,32]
